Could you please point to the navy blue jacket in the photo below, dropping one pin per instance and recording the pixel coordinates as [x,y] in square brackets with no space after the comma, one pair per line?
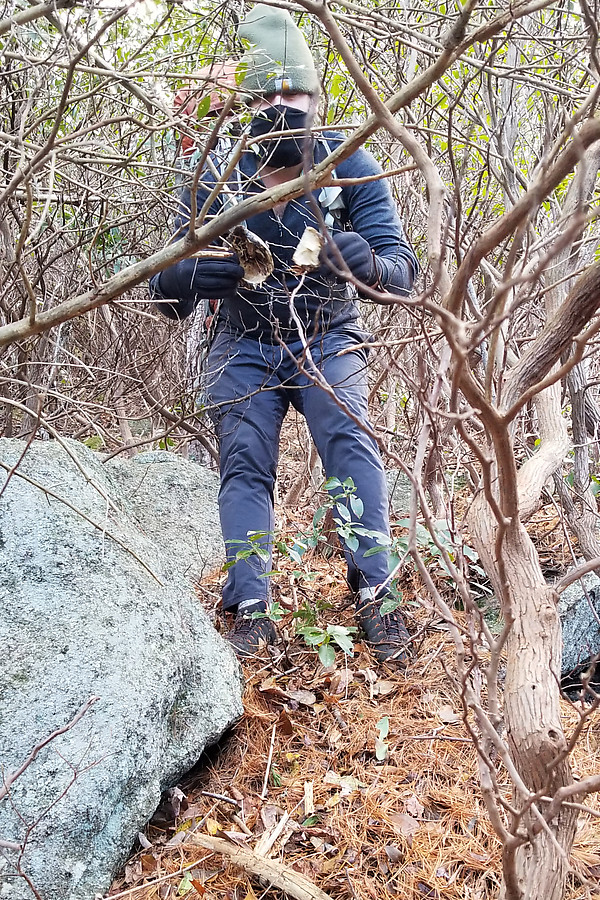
[323,302]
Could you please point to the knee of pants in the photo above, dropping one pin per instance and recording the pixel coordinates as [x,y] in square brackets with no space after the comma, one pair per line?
[246,453]
[339,438]
[350,395]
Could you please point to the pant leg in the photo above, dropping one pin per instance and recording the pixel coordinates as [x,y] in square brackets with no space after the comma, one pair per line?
[346,450]
[247,406]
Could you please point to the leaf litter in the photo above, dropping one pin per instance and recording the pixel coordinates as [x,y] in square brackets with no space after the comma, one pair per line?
[359,823]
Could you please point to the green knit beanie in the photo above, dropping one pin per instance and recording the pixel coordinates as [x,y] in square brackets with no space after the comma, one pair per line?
[278,60]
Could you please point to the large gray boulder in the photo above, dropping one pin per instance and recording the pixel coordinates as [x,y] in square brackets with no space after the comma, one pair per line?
[579,610]
[174,503]
[93,603]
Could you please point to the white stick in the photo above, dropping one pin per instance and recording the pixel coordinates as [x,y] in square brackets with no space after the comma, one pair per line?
[263,795]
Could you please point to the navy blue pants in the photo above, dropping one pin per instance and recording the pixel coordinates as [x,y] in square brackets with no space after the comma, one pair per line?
[250,386]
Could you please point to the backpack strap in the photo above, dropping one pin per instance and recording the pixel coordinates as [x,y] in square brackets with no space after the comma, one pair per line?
[331,197]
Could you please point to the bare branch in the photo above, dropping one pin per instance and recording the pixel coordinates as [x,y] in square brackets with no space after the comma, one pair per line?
[580,306]
[36,11]
[9,779]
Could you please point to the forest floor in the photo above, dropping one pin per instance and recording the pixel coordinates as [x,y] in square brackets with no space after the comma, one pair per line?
[301,780]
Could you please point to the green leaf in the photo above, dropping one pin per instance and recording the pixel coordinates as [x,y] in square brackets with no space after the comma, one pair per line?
[357,505]
[94,442]
[312,635]
[343,512]
[332,483]
[351,542]
[185,886]
[243,554]
[423,536]
[203,107]
[319,515]
[240,72]
[373,550]
[327,655]
[383,539]
[341,629]
[294,555]
[275,613]
[381,750]
[312,820]
[383,727]
[390,604]
[342,638]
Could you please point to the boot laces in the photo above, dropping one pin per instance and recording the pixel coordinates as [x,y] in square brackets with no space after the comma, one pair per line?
[394,626]
[243,624]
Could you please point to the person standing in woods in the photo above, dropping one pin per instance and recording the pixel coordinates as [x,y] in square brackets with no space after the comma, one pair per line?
[295,338]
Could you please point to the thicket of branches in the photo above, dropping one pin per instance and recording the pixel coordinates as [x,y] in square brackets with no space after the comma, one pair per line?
[486,114]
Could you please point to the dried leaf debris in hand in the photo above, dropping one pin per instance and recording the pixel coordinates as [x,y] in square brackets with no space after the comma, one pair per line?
[306,255]
[254,254]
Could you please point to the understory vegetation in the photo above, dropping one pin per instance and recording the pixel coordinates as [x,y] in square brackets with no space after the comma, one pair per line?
[468,775]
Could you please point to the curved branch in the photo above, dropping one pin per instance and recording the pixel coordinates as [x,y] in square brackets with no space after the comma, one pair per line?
[547,181]
[581,304]
[34,12]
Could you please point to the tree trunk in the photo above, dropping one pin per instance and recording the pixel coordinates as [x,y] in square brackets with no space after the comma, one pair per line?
[534,868]
[584,520]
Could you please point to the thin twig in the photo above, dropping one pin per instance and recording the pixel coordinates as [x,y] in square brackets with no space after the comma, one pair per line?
[264,792]
[10,779]
[222,797]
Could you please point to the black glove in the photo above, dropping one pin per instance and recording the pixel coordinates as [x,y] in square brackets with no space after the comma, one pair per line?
[356,253]
[201,279]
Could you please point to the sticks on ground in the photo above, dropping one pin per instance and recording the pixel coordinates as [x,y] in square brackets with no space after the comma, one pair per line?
[278,875]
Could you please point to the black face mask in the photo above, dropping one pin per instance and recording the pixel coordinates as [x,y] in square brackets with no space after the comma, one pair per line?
[281,152]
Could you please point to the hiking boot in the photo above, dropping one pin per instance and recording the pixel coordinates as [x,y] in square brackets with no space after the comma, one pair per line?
[387,634]
[248,635]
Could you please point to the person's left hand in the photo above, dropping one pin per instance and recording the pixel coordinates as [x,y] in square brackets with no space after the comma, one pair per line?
[356,253]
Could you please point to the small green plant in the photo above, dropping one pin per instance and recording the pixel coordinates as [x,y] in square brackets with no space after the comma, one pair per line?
[311,820]
[393,600]
[381,745]
[275,613]
[94,442]
[308,613]
[431,548]
[344,504]
[324,638]
[347,511]
[255,545]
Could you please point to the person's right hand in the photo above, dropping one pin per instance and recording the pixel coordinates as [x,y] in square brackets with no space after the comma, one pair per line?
[195,279]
